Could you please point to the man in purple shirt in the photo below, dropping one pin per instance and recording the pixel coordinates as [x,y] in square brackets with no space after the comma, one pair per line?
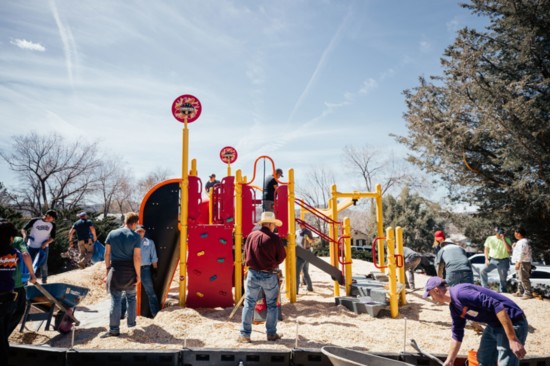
[504,337]
[263,252]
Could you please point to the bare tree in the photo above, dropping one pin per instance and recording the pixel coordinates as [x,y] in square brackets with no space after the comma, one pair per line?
[316,192]
[124,197]
[111,179]
[53,173]
[150,180]
[375,167]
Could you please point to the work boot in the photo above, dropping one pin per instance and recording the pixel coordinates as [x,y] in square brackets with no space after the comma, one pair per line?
[274,337]
[110,333]
[244,339]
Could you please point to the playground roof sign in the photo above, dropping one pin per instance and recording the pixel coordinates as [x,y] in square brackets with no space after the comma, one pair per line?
[186,106]
[228,154]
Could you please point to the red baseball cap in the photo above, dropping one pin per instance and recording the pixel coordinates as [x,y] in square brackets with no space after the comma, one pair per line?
[439,235]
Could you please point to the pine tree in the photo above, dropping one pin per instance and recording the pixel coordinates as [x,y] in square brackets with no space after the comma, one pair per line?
[483,126]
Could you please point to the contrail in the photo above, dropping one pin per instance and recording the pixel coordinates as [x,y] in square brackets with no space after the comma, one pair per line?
[69,46]
[328,50]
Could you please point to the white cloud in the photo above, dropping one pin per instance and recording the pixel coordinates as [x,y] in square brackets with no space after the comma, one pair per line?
[425,46]
[368,85]
[28,45]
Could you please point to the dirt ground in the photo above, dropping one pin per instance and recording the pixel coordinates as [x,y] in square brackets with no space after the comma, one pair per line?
[313,321]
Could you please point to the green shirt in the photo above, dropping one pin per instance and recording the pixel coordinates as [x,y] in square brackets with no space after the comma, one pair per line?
[20,245]
[497,248]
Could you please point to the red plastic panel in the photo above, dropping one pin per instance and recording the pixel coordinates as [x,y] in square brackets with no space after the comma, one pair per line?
[194,196]
[227,201]
[248,210]
[210,266]
[204,212]
[281,209]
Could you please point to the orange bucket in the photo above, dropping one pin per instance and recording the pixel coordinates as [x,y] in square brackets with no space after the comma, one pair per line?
[472,358]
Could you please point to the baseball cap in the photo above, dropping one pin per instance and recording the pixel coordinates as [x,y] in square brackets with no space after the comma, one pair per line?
[439,235]
[140,227]
[280,171]
[82,214]
[432,283]
[212,175]
[499,230]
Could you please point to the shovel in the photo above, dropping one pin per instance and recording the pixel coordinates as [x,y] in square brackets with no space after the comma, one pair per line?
[430,356]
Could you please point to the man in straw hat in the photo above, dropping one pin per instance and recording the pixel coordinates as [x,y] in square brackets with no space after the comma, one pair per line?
[263,252]
[504,337]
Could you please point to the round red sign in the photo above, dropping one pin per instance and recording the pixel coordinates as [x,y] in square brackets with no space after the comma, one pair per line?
[228,155]
[187,107]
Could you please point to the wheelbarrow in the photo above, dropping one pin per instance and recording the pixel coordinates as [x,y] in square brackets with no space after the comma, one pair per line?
[45,299]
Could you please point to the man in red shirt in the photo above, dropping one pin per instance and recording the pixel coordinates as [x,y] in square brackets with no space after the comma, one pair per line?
[263,252]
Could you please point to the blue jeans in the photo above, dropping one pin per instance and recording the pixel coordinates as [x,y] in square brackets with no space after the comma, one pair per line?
[255,281]
[116,309]
[502,266]
[494,345]
[33,252]
[454,278]
[147,283]
[303,265]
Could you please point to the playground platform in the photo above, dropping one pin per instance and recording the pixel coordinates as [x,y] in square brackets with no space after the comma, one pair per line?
[49,356]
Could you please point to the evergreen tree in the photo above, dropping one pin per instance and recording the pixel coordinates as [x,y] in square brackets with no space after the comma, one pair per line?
[418,217]
[483,126]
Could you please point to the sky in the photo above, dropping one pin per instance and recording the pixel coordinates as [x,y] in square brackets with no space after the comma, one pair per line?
[297,80]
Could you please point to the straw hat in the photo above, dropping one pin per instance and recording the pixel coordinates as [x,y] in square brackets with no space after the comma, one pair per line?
[269,217]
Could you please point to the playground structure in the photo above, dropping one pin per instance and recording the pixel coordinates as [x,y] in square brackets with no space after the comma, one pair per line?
[205,237]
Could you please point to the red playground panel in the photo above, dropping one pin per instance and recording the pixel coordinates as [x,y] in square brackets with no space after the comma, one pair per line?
[195,200]
[210,266]
[281,209]
[226,201]
[248,204]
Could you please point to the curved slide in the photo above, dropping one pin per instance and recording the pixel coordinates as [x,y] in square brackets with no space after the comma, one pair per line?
[159,213]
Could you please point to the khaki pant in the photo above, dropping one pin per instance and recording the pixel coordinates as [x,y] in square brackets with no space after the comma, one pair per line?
[524,285]
[86,249]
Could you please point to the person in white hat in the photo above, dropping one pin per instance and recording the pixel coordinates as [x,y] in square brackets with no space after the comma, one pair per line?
[263,253]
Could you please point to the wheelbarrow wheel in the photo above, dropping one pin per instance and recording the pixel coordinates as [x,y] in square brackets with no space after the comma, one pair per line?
[63,323]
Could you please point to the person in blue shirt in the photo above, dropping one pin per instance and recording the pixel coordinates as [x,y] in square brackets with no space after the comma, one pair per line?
[504,336]
[123,265]
[149,267]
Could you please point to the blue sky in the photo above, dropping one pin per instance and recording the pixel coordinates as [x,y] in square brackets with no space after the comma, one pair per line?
[294,79]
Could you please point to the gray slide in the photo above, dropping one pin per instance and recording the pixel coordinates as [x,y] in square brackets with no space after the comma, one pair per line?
[334,272]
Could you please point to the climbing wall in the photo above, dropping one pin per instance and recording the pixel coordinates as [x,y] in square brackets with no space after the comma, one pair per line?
[210,266]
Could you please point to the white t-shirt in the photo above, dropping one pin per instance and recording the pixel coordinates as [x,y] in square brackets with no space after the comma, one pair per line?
[40,231]
[522,251]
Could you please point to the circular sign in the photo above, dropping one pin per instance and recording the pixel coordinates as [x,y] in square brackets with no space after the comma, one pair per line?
[187,107]
[228,155]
